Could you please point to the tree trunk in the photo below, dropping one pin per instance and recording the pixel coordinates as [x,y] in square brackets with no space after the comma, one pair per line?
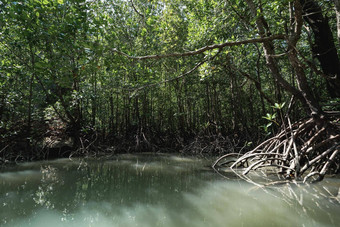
[258,85]
[323,48]
[269,51]
[29,120]
[2,106]
[299,71]
[94,101]
[111,124]
[234,118]
[337,11]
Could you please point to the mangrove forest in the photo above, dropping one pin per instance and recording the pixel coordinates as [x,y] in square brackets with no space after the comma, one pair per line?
[253,82]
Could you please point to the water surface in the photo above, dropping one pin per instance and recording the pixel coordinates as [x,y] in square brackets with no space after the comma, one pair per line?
[155,190]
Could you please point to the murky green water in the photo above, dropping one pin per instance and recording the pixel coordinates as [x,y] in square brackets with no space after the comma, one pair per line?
[155,190]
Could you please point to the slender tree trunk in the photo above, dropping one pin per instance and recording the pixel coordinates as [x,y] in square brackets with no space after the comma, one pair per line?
[111,114]
[117,112]
[180,109]
[29,120]
[337,11]
[259,84]
[251,107]
[278,94]
[146,109]
[127,115]
[94,101]
[137,114]
[234,118]
[207,95]
[2,106]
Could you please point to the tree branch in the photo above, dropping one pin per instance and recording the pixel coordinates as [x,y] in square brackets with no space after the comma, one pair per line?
[197,65]
[135,9]
[203,49]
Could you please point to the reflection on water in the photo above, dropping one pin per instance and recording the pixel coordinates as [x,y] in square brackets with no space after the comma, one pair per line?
[155,190]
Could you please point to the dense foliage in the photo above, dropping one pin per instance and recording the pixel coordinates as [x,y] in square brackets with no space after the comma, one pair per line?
[66,70]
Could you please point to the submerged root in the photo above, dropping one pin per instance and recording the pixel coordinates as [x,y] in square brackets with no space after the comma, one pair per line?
[304,150]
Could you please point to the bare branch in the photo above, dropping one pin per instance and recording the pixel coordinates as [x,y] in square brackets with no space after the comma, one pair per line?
[135,9]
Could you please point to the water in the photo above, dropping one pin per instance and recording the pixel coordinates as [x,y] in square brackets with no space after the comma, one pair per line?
[155,190]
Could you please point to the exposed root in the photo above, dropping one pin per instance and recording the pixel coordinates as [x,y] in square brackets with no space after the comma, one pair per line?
[304,150]
[214,144]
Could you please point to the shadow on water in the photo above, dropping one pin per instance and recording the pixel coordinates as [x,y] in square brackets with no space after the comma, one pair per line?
[155,190]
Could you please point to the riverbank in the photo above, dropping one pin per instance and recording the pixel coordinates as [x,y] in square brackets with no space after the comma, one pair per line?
[55,145]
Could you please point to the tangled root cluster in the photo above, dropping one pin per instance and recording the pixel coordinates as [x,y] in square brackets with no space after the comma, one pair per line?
[308,148]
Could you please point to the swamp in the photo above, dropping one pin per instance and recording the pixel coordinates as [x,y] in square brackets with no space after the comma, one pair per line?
[169,112]
[156,190]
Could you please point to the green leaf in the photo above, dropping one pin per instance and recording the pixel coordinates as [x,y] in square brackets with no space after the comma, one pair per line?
[279,106]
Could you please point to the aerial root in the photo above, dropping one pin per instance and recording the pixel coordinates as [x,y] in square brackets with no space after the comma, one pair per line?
[300,151]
